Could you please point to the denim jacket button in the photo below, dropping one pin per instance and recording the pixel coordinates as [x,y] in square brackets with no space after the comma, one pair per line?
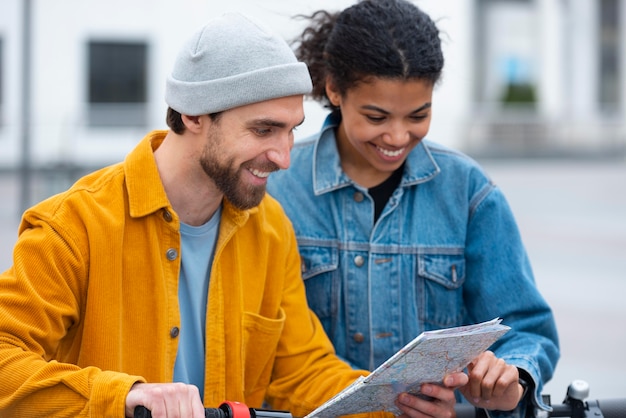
[359,260]
[167,215]
[174,332]
[358,338]
[358,197]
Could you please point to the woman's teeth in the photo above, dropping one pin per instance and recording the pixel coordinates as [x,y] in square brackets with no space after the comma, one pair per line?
[390,153]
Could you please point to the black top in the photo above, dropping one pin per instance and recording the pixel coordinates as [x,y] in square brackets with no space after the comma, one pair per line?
[382,192]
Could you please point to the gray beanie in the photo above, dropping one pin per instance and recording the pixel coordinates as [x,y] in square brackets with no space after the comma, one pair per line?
[232,62]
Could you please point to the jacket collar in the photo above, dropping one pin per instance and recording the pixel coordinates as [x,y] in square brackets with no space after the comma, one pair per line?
[327,173]
[143,183]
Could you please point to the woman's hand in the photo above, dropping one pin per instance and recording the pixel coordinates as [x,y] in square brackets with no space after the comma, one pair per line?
[436,401]
[493,384]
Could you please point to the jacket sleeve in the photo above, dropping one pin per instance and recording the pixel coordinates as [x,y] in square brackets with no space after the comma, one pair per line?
[40,305]
[500,283]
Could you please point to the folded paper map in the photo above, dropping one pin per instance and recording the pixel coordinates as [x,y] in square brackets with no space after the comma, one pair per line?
[427,359]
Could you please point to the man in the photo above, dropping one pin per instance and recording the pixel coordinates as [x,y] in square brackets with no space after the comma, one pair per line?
[171,280]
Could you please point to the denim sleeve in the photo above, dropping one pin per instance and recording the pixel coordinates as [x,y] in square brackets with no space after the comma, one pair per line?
[501,284]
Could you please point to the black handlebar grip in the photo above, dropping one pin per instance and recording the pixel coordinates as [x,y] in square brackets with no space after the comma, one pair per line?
[269,413]
[214,413]
[143,412]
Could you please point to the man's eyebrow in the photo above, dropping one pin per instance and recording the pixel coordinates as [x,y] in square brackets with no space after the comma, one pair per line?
[425,106]
[271,122]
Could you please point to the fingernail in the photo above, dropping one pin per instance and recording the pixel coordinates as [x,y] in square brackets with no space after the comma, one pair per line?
[426,389]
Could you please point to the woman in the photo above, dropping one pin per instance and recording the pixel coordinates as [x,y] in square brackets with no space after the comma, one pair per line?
[397,234]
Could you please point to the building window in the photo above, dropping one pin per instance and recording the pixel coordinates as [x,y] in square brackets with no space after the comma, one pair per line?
[117,91]
[610,86]
[507,61]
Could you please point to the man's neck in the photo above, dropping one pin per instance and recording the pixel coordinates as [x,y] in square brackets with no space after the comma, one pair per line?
[194,197]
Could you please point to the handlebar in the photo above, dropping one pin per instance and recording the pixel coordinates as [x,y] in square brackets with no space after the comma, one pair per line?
[143,412]
[600,408]
[227,409]
[574,406]
[607,408]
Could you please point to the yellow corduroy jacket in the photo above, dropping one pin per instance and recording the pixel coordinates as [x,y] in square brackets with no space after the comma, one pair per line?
[90,305]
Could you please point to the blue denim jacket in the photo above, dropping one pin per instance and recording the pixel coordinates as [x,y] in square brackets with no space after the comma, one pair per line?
[445,251]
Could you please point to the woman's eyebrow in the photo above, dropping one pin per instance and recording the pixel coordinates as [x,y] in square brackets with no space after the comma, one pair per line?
[425,106]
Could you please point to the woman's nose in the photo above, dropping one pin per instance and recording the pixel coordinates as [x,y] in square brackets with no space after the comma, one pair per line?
[397,136]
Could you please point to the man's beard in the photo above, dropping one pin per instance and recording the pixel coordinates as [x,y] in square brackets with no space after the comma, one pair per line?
[228,178]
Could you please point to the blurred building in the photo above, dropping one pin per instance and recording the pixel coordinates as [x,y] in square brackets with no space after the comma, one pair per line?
[549,77]
[81,81]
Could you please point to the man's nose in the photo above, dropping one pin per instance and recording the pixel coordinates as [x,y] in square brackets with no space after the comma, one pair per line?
[281,153]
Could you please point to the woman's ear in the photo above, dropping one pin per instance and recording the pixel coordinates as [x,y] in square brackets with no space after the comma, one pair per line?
[332,93]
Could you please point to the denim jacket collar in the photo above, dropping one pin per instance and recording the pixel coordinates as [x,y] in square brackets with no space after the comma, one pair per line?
[420,165]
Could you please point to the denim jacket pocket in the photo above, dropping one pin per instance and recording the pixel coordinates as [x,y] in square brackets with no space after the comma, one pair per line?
[319,271]
[440,289]
[261,337]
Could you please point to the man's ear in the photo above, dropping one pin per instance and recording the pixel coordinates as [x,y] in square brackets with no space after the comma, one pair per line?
[193,123]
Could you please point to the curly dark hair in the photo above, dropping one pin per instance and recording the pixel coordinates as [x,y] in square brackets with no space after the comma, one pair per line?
[372,38]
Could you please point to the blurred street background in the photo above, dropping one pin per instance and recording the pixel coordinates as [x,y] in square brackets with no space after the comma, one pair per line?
[535,90]
[572,216]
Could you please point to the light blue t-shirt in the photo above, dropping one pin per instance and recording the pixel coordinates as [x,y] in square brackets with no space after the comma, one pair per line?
[197,249]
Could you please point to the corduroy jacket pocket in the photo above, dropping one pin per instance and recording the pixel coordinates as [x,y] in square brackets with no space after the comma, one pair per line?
[261,337]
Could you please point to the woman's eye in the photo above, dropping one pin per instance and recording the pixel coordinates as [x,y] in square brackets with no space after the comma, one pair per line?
[375,118]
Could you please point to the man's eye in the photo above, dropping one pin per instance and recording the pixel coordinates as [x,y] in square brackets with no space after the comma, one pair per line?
[263,131]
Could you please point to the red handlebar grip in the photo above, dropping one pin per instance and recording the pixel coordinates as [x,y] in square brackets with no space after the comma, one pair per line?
[237,409]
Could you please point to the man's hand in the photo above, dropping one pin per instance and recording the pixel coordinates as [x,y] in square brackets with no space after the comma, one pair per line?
[493,384]
[165,400]
[437,401]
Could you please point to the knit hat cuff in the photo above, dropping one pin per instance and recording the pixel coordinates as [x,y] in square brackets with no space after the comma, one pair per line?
[205,97]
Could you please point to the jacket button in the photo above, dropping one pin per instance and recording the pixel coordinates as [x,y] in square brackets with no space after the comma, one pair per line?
[359,260]
[171,254]
[358,197]
[174,332]
[167,216]
[358,338]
